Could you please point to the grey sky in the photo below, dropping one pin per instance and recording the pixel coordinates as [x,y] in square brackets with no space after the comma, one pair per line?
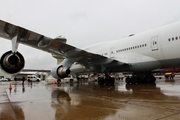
[84,22]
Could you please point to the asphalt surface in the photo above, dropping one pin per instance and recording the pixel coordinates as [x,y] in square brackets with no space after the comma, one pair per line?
[89,101]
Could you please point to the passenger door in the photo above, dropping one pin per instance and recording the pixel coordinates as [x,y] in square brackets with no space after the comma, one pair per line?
[112,52]
[154,43]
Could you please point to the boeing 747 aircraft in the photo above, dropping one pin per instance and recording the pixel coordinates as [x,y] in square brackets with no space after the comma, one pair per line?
[139,54]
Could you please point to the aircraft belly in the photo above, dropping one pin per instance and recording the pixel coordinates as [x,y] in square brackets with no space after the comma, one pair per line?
[145,66]
[132,58]
[170,63]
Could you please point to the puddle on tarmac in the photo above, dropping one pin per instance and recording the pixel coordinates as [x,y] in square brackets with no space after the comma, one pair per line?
[90,101]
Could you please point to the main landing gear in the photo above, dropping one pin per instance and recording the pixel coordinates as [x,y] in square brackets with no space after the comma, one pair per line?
[136,78]
[106,80]
[140,78]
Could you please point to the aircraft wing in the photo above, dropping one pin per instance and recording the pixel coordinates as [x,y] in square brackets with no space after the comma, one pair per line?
[57,46]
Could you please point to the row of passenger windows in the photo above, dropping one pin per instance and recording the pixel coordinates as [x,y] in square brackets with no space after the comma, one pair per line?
[174,38]
[131,48]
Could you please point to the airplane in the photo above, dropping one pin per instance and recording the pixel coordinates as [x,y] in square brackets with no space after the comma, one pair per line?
[140,54]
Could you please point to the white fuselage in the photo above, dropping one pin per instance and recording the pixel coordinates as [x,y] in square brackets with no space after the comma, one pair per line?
[159,48]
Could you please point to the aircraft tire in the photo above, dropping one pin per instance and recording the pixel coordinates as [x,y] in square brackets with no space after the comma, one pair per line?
[101,81]
[140,80]
[128,87]
[150,79]
[128,80]
[112,81]
[106,81]
[153,79]
[134,80]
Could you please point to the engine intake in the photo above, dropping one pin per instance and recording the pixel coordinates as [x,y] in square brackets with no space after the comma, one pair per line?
[12,62]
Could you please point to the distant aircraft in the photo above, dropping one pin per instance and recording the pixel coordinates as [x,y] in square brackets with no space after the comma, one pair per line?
[139,54]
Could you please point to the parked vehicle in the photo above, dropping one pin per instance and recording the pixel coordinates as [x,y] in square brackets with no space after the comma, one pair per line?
[31,78]
[69,79]
[169,75]
[3,79]
[50,80]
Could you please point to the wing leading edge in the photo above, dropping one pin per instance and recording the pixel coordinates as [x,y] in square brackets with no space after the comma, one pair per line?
[57,46]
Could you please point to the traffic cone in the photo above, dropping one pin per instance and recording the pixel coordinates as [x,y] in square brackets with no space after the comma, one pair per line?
[54,82]
[10,88]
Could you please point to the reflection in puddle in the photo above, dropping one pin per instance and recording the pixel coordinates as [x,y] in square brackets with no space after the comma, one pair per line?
[91,101]
[69,105]
[6,112]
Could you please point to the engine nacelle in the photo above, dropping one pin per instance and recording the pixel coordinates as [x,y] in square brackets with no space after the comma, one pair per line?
[60,72]
[12,62]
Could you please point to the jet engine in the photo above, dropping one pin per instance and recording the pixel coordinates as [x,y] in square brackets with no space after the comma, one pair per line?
[60,72]
[12,62]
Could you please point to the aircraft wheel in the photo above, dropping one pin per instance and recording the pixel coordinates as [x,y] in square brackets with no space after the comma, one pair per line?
[112,81]
[128,87]
[140,80]
[106,81]
[153,79]
[148,79]
[128,80]
[100,81]
[134,80]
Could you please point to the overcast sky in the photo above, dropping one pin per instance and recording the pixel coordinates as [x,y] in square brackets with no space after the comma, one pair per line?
[83,22]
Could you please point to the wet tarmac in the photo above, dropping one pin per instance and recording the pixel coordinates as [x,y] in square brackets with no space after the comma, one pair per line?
[89,101]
